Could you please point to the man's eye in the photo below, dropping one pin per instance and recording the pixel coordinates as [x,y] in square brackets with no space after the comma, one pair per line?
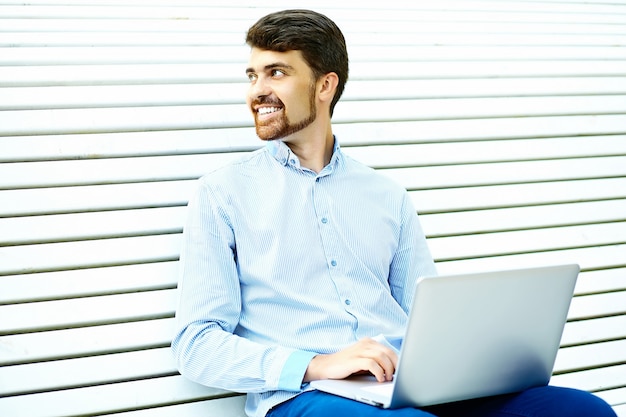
[252,76]
[277,73]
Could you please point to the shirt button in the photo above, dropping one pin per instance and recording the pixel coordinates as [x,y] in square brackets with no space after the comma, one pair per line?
[324,220]
[292,161]
[333,262]
[348,302]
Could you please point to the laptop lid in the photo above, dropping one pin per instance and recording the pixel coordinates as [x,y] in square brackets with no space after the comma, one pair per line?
[475,335]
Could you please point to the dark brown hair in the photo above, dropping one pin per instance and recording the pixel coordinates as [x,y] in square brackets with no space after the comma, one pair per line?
[317,37]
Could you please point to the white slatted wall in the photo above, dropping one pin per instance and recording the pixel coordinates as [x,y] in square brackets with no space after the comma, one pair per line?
[506,120]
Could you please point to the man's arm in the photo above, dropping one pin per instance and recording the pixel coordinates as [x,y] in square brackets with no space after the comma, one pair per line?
[412,258]
[205,348]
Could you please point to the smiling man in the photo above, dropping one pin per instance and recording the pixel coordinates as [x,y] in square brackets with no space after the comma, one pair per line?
[298,262]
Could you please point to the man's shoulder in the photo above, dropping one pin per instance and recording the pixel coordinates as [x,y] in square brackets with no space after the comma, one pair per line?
[244,165]
[371,175]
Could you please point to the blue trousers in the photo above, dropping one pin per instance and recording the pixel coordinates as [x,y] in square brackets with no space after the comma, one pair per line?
[545,401]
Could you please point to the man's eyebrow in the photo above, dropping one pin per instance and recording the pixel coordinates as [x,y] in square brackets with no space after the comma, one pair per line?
[272,66]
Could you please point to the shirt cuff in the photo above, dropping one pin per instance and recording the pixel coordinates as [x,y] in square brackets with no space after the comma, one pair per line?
[293,372]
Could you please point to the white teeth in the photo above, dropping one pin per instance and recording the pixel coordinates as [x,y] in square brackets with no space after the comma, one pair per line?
[268,110]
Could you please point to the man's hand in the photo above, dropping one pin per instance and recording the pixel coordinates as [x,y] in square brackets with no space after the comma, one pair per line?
[366,355]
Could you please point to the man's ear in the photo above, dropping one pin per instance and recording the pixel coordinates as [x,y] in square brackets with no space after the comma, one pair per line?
[327,86]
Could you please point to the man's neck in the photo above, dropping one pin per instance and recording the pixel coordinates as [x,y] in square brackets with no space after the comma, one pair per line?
[314,149]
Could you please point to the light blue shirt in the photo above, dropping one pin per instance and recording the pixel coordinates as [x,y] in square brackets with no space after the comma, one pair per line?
[280,263]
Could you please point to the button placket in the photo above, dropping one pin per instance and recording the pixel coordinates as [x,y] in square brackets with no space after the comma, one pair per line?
[331,243]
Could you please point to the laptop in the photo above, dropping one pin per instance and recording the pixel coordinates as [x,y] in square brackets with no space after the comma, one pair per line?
[473,335]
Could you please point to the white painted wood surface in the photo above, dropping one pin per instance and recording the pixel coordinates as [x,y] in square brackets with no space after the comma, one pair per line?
[505,120]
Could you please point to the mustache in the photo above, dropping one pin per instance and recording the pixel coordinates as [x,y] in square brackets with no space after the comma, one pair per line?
[268,100]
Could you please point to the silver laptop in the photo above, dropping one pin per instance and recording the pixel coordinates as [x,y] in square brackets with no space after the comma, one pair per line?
[473,335]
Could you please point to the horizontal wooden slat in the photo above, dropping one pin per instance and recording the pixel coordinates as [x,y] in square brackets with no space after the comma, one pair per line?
[88,371]
[176,193]
[516,195]
[85,341]
[232,54]
[231,407]
[590,282]
[83,226]
[48,315]
[183,167]
[98,399]
[590,356]
[594,379]
[32,98]
[588,258]
[88,282]
[125,144]
[97,225]
[94,198]
[503,173]
[385,156]
[92,253]
[598,305]
[120,38]
[155,304]
[483,221]
[595,330]
[349,25]
[526,241]
[237,115]
[471,10]
[197,73]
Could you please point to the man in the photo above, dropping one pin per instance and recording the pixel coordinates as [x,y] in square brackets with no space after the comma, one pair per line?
[300,263]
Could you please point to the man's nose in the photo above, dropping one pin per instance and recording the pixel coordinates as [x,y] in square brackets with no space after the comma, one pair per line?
[259,88]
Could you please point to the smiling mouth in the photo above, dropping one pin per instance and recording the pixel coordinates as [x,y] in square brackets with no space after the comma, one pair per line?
[268,110]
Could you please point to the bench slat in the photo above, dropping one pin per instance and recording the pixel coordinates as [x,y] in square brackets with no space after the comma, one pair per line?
[588,258]
[33,98]
[594,330]
[85,341]
[176,193]
[467,222]
[412,135]
[98,399]
[98,225]
[406,155]
[598,305]
[590,356]
[95,197]
[146,249]
[590,282]
[89,311]
[526,241]
[352,25]
[164,73]
[93,253]
[516,195]
[183,167]
[206,54]
[88,282]
[507,172]
[231,407]
[593,379]
[94,370]
[141,39]
[102,120]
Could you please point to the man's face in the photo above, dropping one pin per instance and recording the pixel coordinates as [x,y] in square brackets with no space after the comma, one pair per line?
[281,94]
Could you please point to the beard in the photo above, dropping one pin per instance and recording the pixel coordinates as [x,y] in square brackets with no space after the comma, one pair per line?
[281,127]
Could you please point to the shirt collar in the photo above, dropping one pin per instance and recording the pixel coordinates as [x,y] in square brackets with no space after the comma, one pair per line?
[283,154]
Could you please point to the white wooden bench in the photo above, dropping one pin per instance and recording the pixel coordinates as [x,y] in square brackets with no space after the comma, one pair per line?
[506,121]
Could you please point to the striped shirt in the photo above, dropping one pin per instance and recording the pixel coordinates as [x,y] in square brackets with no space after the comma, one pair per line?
[280,263]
